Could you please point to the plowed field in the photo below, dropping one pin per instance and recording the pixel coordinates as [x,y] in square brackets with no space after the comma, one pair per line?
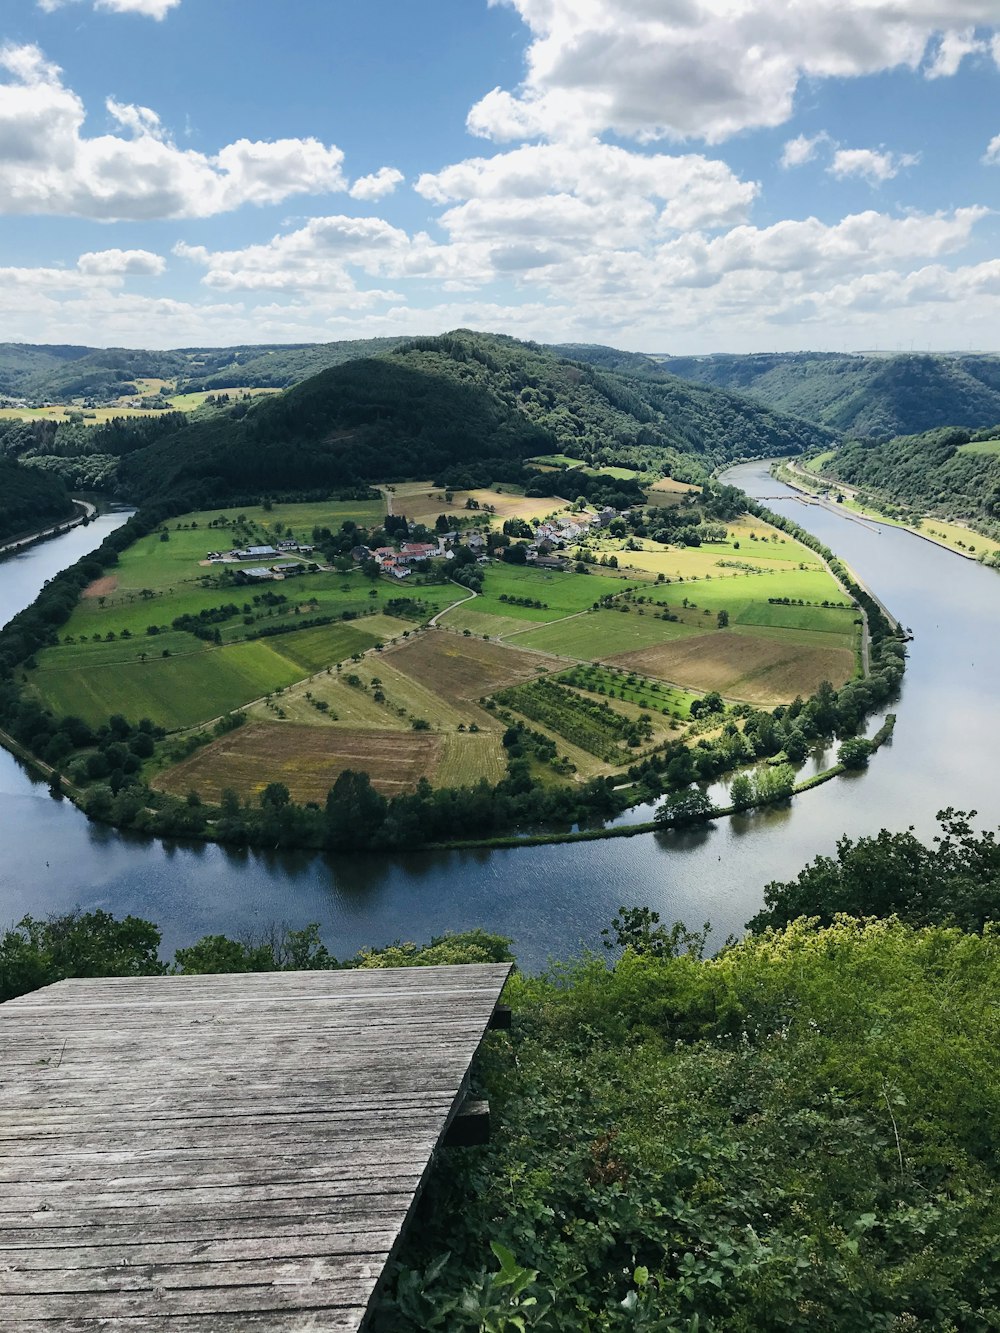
[307,760]
[741,666]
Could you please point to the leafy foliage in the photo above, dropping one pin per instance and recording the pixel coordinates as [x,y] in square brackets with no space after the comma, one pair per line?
[956,881]
[29,500]
[857,395]
[930,473]
[794,1134]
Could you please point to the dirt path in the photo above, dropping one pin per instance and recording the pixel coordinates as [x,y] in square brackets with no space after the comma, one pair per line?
[432,623]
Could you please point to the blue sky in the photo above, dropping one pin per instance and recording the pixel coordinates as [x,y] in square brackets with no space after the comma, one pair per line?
[670,175]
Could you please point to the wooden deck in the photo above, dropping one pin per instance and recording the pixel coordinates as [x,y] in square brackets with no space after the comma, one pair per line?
[211,1154]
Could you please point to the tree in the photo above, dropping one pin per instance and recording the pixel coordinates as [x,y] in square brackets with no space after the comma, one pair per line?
[773,784]
[855,752]
[355,811]
[722,620]
[688,806]
[77,944]
[275,796]
[741,791]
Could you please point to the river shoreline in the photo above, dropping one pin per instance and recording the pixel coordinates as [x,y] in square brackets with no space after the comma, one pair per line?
[552,899]
[19,545]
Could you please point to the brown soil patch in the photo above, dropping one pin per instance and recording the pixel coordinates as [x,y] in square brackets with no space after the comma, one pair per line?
[308,760]
[101,587]
[757,670]
[463,670]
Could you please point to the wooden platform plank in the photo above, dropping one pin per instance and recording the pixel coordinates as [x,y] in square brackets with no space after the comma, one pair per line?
[207,1154]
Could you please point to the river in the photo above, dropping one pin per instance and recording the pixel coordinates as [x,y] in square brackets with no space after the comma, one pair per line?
[554,899]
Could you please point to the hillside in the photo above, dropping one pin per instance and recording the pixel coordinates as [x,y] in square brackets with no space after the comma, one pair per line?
[950,473]
[856,395]
[29,499]
[475,403]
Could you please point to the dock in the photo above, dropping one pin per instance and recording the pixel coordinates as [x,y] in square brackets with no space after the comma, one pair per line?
[220,1153]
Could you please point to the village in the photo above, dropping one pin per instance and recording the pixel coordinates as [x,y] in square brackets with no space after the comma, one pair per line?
[542,548]
[542,541]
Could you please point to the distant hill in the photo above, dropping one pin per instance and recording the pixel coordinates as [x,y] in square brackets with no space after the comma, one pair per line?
[473,404]
[29,499]
[22,363]
[862,396]
[276,367]
[61,373]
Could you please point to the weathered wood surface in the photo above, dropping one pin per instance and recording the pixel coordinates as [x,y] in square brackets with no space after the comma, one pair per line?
[213,1154]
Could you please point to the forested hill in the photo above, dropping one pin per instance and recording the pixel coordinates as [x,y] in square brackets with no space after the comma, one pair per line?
[860,396]
[948,472]
[474,402]
[29,500]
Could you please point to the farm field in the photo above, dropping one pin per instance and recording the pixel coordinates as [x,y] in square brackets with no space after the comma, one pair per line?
[308,760]
[563,463]
[980,447]
[748,667]
[436,677]
[958,537]
[601,634]
[175,692]
[761,547]
[96,416]
[641,691]
[464,670]
[380,693]
[120,652]
[421,502]
[668,486]
[561,593]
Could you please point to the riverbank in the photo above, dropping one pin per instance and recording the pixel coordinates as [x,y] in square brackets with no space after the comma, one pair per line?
[87,511]
[801,479]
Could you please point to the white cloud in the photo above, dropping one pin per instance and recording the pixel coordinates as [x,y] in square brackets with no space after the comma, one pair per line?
[122,263]
[876,166]
[317,257]
[138,120]
[153,9]
[708,68]
[48,165]
[992,155]
[952,50]
[797,152]
[377,185]
[579,191]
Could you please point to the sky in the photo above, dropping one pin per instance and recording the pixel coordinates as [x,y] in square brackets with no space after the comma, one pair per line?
[669,176]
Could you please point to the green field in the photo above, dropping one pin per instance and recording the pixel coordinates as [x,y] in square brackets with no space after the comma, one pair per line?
[376,690]
[980,447]
[602,633]
[108,661]
[174,692]
[562,594]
